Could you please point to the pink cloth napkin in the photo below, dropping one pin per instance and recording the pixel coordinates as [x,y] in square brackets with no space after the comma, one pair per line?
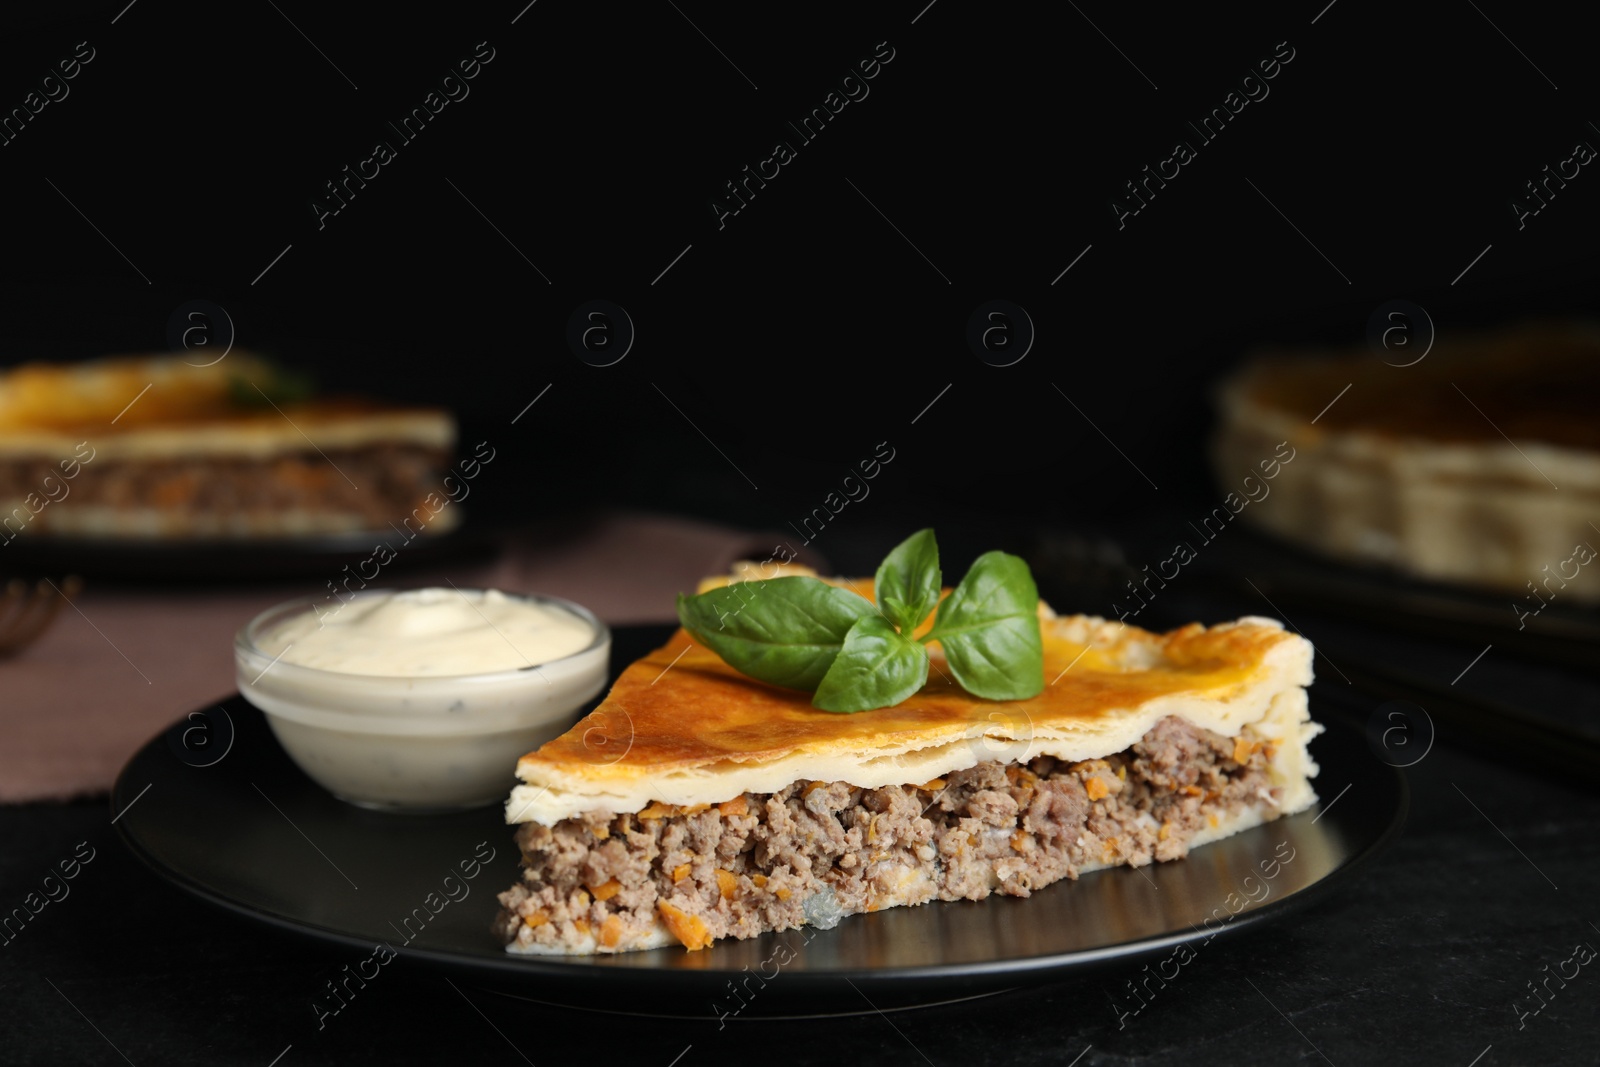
[122,665]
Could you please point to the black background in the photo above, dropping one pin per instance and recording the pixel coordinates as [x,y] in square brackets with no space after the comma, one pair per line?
[779,350]
[807,329]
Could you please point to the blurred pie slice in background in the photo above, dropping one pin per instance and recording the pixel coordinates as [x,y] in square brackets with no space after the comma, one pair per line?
[1478,465]
[154,448]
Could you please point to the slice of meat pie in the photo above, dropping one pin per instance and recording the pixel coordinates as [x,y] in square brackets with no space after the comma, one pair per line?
[696,803]
[155,448]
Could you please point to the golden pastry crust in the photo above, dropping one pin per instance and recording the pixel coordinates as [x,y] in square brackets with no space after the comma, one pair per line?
[681,726]
[156,407]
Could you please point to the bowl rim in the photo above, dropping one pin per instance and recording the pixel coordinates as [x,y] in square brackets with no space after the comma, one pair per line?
[246,647]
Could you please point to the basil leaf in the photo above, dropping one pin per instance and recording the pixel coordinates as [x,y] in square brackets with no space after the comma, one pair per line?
[877,667]
[989,630]
[894,610]
[785,631]
[907,585]
[281,385]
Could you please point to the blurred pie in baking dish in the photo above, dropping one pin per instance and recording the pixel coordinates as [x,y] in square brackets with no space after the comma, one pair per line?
[1478,465]
[153,447]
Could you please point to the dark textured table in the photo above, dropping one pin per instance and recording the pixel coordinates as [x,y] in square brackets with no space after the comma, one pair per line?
[1431,955]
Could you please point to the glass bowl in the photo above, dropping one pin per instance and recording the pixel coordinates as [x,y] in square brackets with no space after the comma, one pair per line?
[428,743]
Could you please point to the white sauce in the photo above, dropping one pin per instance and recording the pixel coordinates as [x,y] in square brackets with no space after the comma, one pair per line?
[429,633]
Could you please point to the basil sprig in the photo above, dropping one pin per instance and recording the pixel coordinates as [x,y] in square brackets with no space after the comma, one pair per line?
[803,633]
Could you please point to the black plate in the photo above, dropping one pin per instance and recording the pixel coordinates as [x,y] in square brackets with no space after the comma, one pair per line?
[233,821]
[210,560]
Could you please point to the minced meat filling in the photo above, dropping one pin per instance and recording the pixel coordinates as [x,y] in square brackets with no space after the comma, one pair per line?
[374,481]
[820,849]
